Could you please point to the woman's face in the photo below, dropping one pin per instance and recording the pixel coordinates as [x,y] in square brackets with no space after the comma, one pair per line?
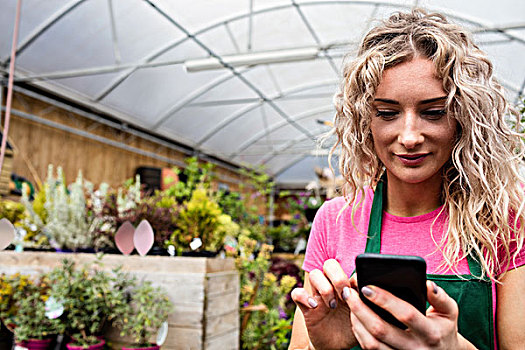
[412,133]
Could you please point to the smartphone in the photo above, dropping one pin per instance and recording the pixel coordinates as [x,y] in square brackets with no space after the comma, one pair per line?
[402,275]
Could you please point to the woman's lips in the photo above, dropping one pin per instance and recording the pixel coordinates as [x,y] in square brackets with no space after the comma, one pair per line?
[412,159]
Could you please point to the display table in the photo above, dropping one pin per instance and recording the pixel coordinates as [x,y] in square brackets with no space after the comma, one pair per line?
[204,291]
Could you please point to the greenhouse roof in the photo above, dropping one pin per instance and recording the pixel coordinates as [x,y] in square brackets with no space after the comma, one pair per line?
[245,81]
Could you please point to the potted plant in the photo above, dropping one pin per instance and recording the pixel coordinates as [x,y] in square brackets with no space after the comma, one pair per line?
[198,219]
[86,296]
[140,316]
[24,311]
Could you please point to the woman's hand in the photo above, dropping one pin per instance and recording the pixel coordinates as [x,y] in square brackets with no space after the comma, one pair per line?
[326,314]
[437,330]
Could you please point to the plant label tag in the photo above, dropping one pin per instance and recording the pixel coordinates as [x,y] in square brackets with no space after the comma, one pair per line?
[301,245]
[196,243]
[7,233]
[171,250]
[230,244]
[162,333]
[143,237]
[124,238]
[54,309]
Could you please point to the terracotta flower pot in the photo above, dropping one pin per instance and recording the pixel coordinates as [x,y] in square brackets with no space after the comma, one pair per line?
[153,347]
[36,344]
[97,346]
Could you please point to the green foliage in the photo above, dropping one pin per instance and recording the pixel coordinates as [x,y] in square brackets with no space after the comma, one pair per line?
[87,297]
[12,288]
[234,205]
[203,218]
[32,226]
[110,208]
[39,203]
[264,325]
[62,215]
[22,306]
[285,237]
[226,227]
[12,211]
[197,175]
[261,181]
[142,313]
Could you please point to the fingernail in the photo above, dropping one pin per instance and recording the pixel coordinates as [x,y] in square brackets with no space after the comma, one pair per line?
[368,292]
[346,293]
[333,304]
[312,302]
[434,287]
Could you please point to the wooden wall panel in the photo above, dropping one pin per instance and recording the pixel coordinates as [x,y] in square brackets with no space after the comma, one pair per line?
[99,162]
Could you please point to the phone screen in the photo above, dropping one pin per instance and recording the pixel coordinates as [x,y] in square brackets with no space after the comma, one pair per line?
[403,276]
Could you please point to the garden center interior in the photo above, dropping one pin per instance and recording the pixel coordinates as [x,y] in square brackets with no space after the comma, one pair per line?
[187,133]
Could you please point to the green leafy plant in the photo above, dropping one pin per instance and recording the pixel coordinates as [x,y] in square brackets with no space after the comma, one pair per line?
[257,179]
[23,307]
[110,208]
[285,237]
[200,217]
[12,211]
[264,323]
[31,228]
[62,215]
[142,313]
[233,204]
[195,175]
[87,297]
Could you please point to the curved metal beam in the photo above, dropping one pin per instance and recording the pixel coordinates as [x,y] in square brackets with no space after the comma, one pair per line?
[172,45]
[276,126]
[118,80]
[43,27]
[232,69]
[314,35]
[240,113]
[275,153]
[193,96]
[291,164]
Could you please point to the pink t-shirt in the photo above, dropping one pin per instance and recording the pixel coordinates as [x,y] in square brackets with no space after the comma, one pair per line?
[334,237]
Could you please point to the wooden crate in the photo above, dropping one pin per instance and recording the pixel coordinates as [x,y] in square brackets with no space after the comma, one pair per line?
[205,293]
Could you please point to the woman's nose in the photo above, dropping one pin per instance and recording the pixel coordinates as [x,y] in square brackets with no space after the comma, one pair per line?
[410,135]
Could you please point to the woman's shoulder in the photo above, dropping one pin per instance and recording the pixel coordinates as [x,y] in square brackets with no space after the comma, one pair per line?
[338,205]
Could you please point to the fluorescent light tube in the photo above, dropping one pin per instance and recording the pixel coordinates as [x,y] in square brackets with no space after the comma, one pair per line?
[251,59]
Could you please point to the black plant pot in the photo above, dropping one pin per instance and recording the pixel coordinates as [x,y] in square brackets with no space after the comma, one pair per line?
[109,250]
[201,254]
[31,249]
[159,251]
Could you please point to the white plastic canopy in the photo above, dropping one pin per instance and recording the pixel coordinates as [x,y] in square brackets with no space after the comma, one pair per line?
[244,81]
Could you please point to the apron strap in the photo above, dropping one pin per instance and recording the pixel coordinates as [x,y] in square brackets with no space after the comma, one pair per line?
[373,243]
[474,266]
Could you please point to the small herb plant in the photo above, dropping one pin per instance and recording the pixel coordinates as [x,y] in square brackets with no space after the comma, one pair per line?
[142,313]
[23,308]
[87,298]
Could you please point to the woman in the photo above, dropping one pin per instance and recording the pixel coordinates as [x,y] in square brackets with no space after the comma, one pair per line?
[421,125]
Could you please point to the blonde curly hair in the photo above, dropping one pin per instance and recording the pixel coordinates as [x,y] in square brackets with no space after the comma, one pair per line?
[482,186]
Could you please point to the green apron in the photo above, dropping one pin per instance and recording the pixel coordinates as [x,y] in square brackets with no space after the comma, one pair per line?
[473,295]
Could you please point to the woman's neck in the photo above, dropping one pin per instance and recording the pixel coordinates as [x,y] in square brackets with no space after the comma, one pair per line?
[405,199]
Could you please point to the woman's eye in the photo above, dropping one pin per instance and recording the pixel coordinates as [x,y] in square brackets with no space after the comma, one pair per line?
[386,114]
[434,113]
